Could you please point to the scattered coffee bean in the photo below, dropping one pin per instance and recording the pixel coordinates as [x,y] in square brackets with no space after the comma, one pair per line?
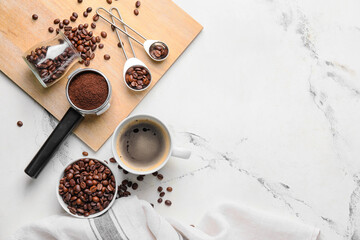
[57,30]
[162,194]
[160,200]
[112,160]
[66,22]
[192,225]
[137,4]
[112,28]
[98,39]
[136,12]
[160,189]
[103,34]
[72,18]
[93,25]
[86,25]
[140,178]
[119,167]
[85,154]
[84,189]
[158,51]
[89,9]
[56,21]
[75,15]
[138,77]
[85,14]
[50,29]
[61,25]
[155,173]
[125,172]
[135,186]
[80,1]
[160,176]
[19,123]
[35,17]
[106,56]
[119,45]
[129,183]
[168,202]
[109,1]
[169,189]
[95,17]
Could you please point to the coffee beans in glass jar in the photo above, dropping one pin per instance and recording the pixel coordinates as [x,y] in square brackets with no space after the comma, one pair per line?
[138,77]
[50,60]
[87,187]
[158,51]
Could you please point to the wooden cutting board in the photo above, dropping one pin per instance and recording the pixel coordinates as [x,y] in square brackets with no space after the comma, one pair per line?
[158,19]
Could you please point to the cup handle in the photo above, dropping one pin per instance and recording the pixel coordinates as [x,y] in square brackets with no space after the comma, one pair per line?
[181,153]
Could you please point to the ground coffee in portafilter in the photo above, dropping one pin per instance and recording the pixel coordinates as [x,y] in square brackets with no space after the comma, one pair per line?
[88,90]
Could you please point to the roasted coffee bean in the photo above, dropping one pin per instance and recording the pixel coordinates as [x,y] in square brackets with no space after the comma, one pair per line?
[138,77]
[95,17]
[72,18]
[80,1]
[160,176]
[160,189]
[98,39]
[112,160]
[168,202]
[66,22]
[112,28]
[61,25]
[93,25]
[159,200]
[56,21]
[125,172]
[140,178]
[85,14]
[135,186]
[162,194]
[85,153]
[136,12]
[155,174]
[109,1]
[106,56]
[74,14]
[169,189]
[137,4]
[20,123]
[86,26]
[89,196]
[119,45]
[50,29]
[35,17]
[101,45]
[87,63]
[158,51]
[103,34]
[130,183]
[89,9]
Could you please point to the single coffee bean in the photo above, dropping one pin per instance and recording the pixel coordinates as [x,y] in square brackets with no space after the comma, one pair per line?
[95,17]
[85,14]
[35,16]
[109,1]
[50,29]
[75,14]
[112,160]
[159,200]
[135,186]
[169,189]
[98,39]
[136,12]
[87,63]
[137,4]
[119,45]
[162,194]
[124,182]
[85,153]
[160,189]
[103,34]
[80,1]
[155,173]
[57,31]
[112,28]
[168,202]
[86,26]
[61,25]
[89,9]
[140,178]
[160,176]
[93,25]
[66,22]
[106,56]
[56,21]
[101,45]
[19,123]
[72,18]
[125,172]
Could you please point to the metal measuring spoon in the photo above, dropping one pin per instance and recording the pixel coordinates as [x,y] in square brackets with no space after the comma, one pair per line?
[148,44]
[130,62]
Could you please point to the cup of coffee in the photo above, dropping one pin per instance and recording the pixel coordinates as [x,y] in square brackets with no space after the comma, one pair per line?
[142,144]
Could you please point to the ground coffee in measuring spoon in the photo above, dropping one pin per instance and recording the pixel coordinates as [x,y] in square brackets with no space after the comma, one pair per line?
[88,90]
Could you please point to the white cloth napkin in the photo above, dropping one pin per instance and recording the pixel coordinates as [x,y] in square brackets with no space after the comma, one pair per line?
[131,218]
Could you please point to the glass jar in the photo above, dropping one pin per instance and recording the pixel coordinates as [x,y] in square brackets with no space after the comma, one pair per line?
[50,60]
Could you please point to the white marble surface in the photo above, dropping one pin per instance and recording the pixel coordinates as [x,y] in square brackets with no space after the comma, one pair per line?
[267,98]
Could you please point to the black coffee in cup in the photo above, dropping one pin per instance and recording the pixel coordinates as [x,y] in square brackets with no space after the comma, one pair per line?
[143,145]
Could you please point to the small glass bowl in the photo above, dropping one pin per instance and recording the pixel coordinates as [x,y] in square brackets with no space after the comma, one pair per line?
[50,60]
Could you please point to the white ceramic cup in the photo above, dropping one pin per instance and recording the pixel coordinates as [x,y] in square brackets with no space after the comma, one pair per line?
[65,206]
[170,151]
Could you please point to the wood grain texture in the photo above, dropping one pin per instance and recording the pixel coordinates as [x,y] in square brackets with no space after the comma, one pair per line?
[158,19]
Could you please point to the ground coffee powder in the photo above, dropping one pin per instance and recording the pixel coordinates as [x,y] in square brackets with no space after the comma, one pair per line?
[88,90]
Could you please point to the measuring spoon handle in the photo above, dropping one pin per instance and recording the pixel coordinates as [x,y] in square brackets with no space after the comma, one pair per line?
[65,126]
